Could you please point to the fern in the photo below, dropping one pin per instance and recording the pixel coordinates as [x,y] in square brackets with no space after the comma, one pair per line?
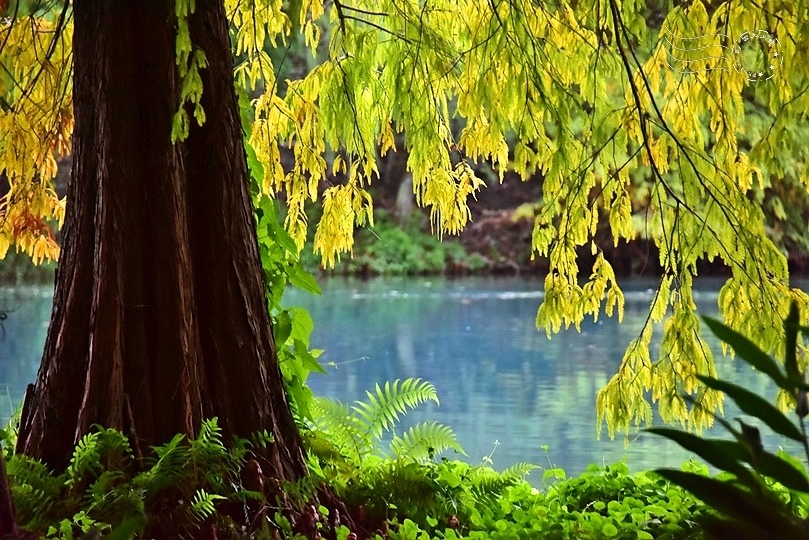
[8,436]
[34,489]
[210,434]
[95,451]
[184,478]
[23,470]
[32,505]
[171,458]
[323,452]
[518,471]
[86,458]
[485,482]
[111,497]
[424,441]
[357,430]
[383,408]
[209,449]
[203,504]
[344,430]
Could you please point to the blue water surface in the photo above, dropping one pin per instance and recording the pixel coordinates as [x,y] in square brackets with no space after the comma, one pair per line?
[510,393]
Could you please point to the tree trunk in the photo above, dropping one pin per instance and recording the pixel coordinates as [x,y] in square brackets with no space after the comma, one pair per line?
[160,318]
[8,525]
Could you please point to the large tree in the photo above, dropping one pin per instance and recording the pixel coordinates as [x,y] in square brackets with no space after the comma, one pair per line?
[678,124]
[160,318]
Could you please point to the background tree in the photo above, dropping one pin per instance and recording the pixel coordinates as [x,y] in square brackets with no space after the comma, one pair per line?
[591,95]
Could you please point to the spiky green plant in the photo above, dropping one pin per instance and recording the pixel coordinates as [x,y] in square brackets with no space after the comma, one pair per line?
[355,432]
[760,494]
[103,486]
[347,449]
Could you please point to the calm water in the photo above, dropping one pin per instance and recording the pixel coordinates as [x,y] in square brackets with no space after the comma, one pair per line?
[506,389]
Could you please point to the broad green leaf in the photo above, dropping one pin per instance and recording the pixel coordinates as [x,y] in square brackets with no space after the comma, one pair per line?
[127,529]
[728,498]
[720,453]
[726,528]
[302,324]
[282,328]
[303,280]
[755,405]
[308,358]
[782,471]
[790,354]
[748,351]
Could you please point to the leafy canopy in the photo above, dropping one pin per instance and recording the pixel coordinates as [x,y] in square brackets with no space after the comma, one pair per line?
[660,122]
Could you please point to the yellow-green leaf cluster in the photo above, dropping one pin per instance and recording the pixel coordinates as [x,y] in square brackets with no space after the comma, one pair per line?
[190,60]
[36,124]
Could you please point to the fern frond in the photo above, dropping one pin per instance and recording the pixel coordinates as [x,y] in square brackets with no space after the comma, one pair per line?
[384,406]
[518,471]
[210,457]
[96,451]
[106,482]
[32,506]
[86,458]
[35,491]
[347,432]
[424,441]
[406,485]
[321,446]
[485,481]
[111,497]
[23,470]
[210,434]
[169,465]
[203,504]
[405,480]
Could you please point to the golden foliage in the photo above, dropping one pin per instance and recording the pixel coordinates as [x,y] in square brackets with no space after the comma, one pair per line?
[584,94]
[36,124]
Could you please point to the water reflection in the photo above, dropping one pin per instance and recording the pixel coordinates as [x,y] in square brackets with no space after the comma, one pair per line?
[500,380]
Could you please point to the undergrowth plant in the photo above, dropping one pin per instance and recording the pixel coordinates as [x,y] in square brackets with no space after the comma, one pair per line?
[406,481]
[178,489]
[759,494]
[355,432]
[406,492]
[423,496]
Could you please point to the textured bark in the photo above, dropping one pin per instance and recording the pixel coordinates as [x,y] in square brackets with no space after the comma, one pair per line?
[8,525]
[160,319]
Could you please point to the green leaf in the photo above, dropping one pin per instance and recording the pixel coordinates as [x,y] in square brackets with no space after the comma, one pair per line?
[254,165]
[748,351]
[282,328]
[126,529]
[302,324]
[725,528]
[728,498]
[308,358]
[782,471]
[424,441]
[284,239]
[757,406]
[791,330]
[303,280]
[722,454]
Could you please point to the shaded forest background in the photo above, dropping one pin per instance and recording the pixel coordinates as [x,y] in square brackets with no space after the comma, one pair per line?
[497,241]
